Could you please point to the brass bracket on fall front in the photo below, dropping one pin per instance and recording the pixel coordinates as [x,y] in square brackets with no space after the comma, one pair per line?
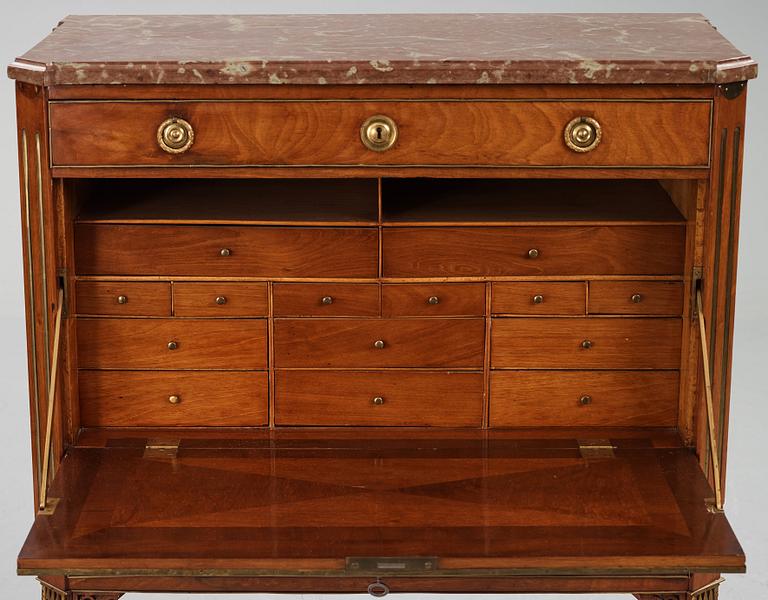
[44,475]
[710,405]
[733,90]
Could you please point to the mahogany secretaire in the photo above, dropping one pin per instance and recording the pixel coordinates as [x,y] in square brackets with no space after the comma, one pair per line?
[396,303]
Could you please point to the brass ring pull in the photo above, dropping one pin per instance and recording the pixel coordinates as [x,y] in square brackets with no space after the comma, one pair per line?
[586,344]
[538,299]
[378,133]
[378,344]
[433,300]
[221,300]
[378,589]
[173,345]
[533,253]
[174,399]
[583,134]
[585,399]
[327,300]
[378,400]
[175,135]
[122,299]
[636,298]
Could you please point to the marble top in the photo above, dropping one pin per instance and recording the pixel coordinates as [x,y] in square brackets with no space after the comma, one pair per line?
[384,49]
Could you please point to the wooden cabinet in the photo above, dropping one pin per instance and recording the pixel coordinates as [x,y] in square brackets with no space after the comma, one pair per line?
[449,310]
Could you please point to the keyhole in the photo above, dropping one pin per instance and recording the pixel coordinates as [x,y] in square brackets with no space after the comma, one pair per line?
[378,134]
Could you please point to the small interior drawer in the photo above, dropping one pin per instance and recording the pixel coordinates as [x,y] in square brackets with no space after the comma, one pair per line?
[326,299]
[403,398]
[539,298]
[584,398]
[220,299]
[379,343]
[123,298]
[585,343]
[433,299]
[170,344]
[173,398]
[636,297]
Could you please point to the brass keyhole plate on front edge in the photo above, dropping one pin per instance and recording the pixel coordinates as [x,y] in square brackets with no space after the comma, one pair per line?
[378,133]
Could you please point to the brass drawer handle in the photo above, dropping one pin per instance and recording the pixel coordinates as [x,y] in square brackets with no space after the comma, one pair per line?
[378,344]
[221,300]
[378,133]
[173,345]
[327,300]
[175,135]
[636,298]
[378,400]
[585,399]
[583,134]
[225,252]
[538,299]
[586,344]
[433,300]
[122,299]
[533,253]
[174,399]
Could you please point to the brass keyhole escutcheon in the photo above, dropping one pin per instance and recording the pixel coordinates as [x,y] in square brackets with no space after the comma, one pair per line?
[175,135]
[583,134]
[378,133]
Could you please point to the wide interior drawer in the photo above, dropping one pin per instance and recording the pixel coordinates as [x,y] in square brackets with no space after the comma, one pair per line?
[545,250]
[173,399]
[227,251]
[172,344]
[305,133]
[374,343]
[402,398]
[585,343]
[584,398]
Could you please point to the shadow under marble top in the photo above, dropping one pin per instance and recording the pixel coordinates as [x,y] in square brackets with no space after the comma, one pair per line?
[384,49]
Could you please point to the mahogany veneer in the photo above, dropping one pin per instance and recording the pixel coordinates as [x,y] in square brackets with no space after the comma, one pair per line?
[459,323]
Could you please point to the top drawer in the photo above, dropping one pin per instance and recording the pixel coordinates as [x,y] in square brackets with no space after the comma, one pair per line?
[429,133]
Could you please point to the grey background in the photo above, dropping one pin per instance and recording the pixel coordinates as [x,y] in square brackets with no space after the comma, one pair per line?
[744,22]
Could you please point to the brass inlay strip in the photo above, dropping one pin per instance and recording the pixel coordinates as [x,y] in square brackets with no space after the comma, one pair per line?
[710,407]
[32,305]
[51,401]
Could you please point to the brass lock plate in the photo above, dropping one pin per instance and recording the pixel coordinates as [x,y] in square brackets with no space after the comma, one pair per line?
[378,133]
[391,565]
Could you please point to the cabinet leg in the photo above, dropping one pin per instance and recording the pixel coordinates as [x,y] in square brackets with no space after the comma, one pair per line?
[708,592]
[50,592]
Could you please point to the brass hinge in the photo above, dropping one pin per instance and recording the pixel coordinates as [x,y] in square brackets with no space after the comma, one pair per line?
[391,565]
[596,449]
[161,448]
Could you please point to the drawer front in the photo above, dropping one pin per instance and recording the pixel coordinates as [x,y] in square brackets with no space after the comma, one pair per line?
[636,297]
[539,298]
[427,299]
[378,399]
[436,133]
[224,299]
[123,298]
[338,343]
[326,300]
[584,398]
[226,251]
[499,251]
[173,399]
[149,344]
[585,343]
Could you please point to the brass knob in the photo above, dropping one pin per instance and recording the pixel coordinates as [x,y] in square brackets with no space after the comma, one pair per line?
[533,253]
[636,298]
[378,133]
[433,300]
[225,252]
[174,399]
[378,400]
[175,135]
[586,344]
[583,134]
[538,299]
[378,344]
[585,399]
[122,299]
[173,345]
[327,300]
[221,300]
